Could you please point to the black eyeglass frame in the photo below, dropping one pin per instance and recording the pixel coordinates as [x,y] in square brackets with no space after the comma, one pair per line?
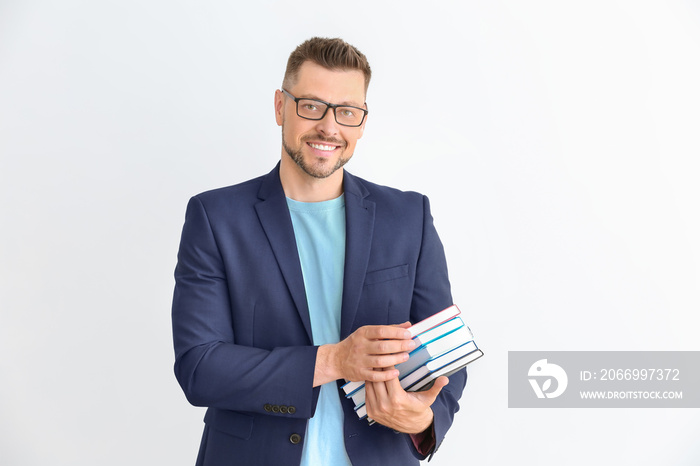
[328,105]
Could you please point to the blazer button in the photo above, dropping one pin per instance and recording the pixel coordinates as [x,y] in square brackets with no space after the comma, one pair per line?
[295,438]
[275,409]
[267,407]
[291,410]
[283,409]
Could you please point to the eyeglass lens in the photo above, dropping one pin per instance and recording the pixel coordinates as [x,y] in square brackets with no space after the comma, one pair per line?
[315,110]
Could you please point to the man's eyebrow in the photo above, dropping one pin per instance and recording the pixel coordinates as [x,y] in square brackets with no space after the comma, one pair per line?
[351,104]
[346,102]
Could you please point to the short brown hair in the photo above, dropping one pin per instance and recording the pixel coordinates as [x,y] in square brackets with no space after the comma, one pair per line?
[333,54]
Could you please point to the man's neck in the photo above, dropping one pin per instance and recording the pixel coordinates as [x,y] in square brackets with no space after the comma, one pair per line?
[300,186]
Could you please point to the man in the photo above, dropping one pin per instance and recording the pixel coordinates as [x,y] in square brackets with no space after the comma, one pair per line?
[289,284]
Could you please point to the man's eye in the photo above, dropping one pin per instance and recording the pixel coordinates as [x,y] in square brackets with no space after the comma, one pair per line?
[310,107]
[346,112]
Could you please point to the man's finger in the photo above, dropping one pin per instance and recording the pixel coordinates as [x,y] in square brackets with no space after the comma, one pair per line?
[428,396]
[376,398]
[391,346]
[394,388]
[387,360]
[380,390]
[386,332]
[382,375]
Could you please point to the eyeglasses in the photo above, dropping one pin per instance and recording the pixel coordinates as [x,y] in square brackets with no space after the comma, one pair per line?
[312,109]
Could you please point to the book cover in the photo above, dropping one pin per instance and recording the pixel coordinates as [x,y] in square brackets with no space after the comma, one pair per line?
[434,349]
[424,325]
[409,380]
[437,363]
[434,320]
[427,380]
[436,332]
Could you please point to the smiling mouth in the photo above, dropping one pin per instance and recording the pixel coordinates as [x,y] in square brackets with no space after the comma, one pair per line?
[322,147]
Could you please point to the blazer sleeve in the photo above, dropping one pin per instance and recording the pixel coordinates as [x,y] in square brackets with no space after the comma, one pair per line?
[432,292]
[211,368]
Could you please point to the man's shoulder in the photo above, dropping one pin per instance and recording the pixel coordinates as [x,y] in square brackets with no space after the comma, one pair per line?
[249,191]
[229,202]
[381,193]
[244,189]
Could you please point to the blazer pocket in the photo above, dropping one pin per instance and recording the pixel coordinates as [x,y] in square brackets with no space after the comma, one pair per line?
[384,275]
[230,422]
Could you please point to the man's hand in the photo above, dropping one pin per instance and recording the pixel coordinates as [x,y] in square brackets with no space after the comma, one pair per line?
[368,354]
[392,406]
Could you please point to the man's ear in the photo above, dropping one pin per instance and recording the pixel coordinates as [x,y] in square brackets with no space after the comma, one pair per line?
[279,107]
[362,126]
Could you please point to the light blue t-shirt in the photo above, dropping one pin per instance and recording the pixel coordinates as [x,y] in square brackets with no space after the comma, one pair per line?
[319,228]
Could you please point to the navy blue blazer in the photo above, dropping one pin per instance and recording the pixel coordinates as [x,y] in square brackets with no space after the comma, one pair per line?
[241,329]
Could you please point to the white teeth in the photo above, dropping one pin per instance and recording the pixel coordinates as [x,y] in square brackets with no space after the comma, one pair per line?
[322,147]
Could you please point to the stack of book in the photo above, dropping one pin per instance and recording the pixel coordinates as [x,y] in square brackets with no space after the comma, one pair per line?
[444,345]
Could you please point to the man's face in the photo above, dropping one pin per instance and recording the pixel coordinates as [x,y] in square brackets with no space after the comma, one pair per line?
[320,147]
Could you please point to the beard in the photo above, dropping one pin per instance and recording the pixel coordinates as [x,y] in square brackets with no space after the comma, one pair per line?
[321,168]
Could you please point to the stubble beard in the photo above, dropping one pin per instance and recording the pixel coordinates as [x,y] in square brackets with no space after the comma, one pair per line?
[319,170]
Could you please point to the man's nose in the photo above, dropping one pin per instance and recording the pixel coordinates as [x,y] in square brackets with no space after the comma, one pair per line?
[327,125]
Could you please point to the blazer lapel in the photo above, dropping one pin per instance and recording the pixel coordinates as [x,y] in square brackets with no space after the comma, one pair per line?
[277,224]
[359,215]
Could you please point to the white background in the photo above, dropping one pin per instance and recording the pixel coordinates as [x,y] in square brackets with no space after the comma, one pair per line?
[557,140]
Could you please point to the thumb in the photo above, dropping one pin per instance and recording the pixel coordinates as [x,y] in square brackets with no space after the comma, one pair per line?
[428,396]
